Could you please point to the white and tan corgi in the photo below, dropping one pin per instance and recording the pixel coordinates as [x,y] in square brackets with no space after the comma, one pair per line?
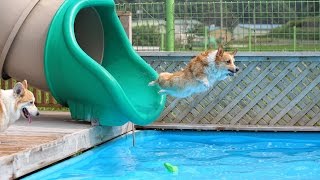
[199,75]
[15,102]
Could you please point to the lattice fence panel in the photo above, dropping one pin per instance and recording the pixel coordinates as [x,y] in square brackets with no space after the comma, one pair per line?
[264,93]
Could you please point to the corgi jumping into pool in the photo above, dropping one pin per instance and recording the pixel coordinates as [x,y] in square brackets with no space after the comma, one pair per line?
[199,75]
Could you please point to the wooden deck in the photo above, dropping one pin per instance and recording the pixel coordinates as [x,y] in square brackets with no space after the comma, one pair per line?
[26,147]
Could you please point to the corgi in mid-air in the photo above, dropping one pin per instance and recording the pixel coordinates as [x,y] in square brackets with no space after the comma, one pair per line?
[199,75]
[15,102]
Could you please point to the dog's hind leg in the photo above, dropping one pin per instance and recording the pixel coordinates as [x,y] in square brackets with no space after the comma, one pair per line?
[152,83]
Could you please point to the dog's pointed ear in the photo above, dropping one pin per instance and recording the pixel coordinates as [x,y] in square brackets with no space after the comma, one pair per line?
[234,52]
[220,51]
[25,84]
[207,52]
[18,89]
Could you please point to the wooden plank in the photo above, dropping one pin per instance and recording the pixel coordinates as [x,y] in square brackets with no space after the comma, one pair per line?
[52,100]
[229,88]
[169,108]
[172,67]
[155,64]
[3,84]
[279,97]
[245,92]
[304,111]
[196,101]
[10,84]
[234,112]
[294,110]
[295,100]
[163,67]
[314,120]
[315,109]
[43,97]
[35,93]
[262,93]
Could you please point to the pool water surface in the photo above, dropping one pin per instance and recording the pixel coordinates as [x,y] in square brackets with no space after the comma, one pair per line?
[198,155]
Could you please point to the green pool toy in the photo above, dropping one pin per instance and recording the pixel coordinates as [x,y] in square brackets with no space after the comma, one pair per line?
[170,167]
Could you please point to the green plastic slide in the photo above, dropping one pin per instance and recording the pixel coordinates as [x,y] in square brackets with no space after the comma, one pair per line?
[91,67]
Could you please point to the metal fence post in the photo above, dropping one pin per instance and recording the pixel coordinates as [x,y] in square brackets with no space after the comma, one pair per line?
[294,38]
[249,39]
[162,42]
[205,37]
[170,25]
[221,14]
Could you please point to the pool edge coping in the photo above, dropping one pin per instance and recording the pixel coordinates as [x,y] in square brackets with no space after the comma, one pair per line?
[217,127]
[26,161]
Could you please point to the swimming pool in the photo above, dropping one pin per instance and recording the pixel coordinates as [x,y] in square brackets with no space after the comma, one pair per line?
[198,155]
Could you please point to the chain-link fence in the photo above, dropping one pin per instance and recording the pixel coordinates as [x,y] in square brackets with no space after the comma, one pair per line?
[246,25]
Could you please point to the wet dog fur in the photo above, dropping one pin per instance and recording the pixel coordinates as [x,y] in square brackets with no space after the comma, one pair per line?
[199,75]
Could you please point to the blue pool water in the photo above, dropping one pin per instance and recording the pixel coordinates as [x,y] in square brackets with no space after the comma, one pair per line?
[198,155]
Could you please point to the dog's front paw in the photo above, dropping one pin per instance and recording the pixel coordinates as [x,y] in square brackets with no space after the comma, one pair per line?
[206,84]
[152,83]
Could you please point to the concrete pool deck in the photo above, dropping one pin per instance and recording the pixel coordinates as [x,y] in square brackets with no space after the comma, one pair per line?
[50,137]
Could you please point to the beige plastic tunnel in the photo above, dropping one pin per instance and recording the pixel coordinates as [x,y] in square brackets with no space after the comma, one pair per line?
[23,32]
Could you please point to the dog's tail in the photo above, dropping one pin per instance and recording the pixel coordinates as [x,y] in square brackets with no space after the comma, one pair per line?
[152,83]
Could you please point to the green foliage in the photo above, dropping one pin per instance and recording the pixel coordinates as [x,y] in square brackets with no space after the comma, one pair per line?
[146,35]
[306,29]
[196,29]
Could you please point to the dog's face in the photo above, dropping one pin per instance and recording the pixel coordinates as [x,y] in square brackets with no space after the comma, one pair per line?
[25,100]
[225,62]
